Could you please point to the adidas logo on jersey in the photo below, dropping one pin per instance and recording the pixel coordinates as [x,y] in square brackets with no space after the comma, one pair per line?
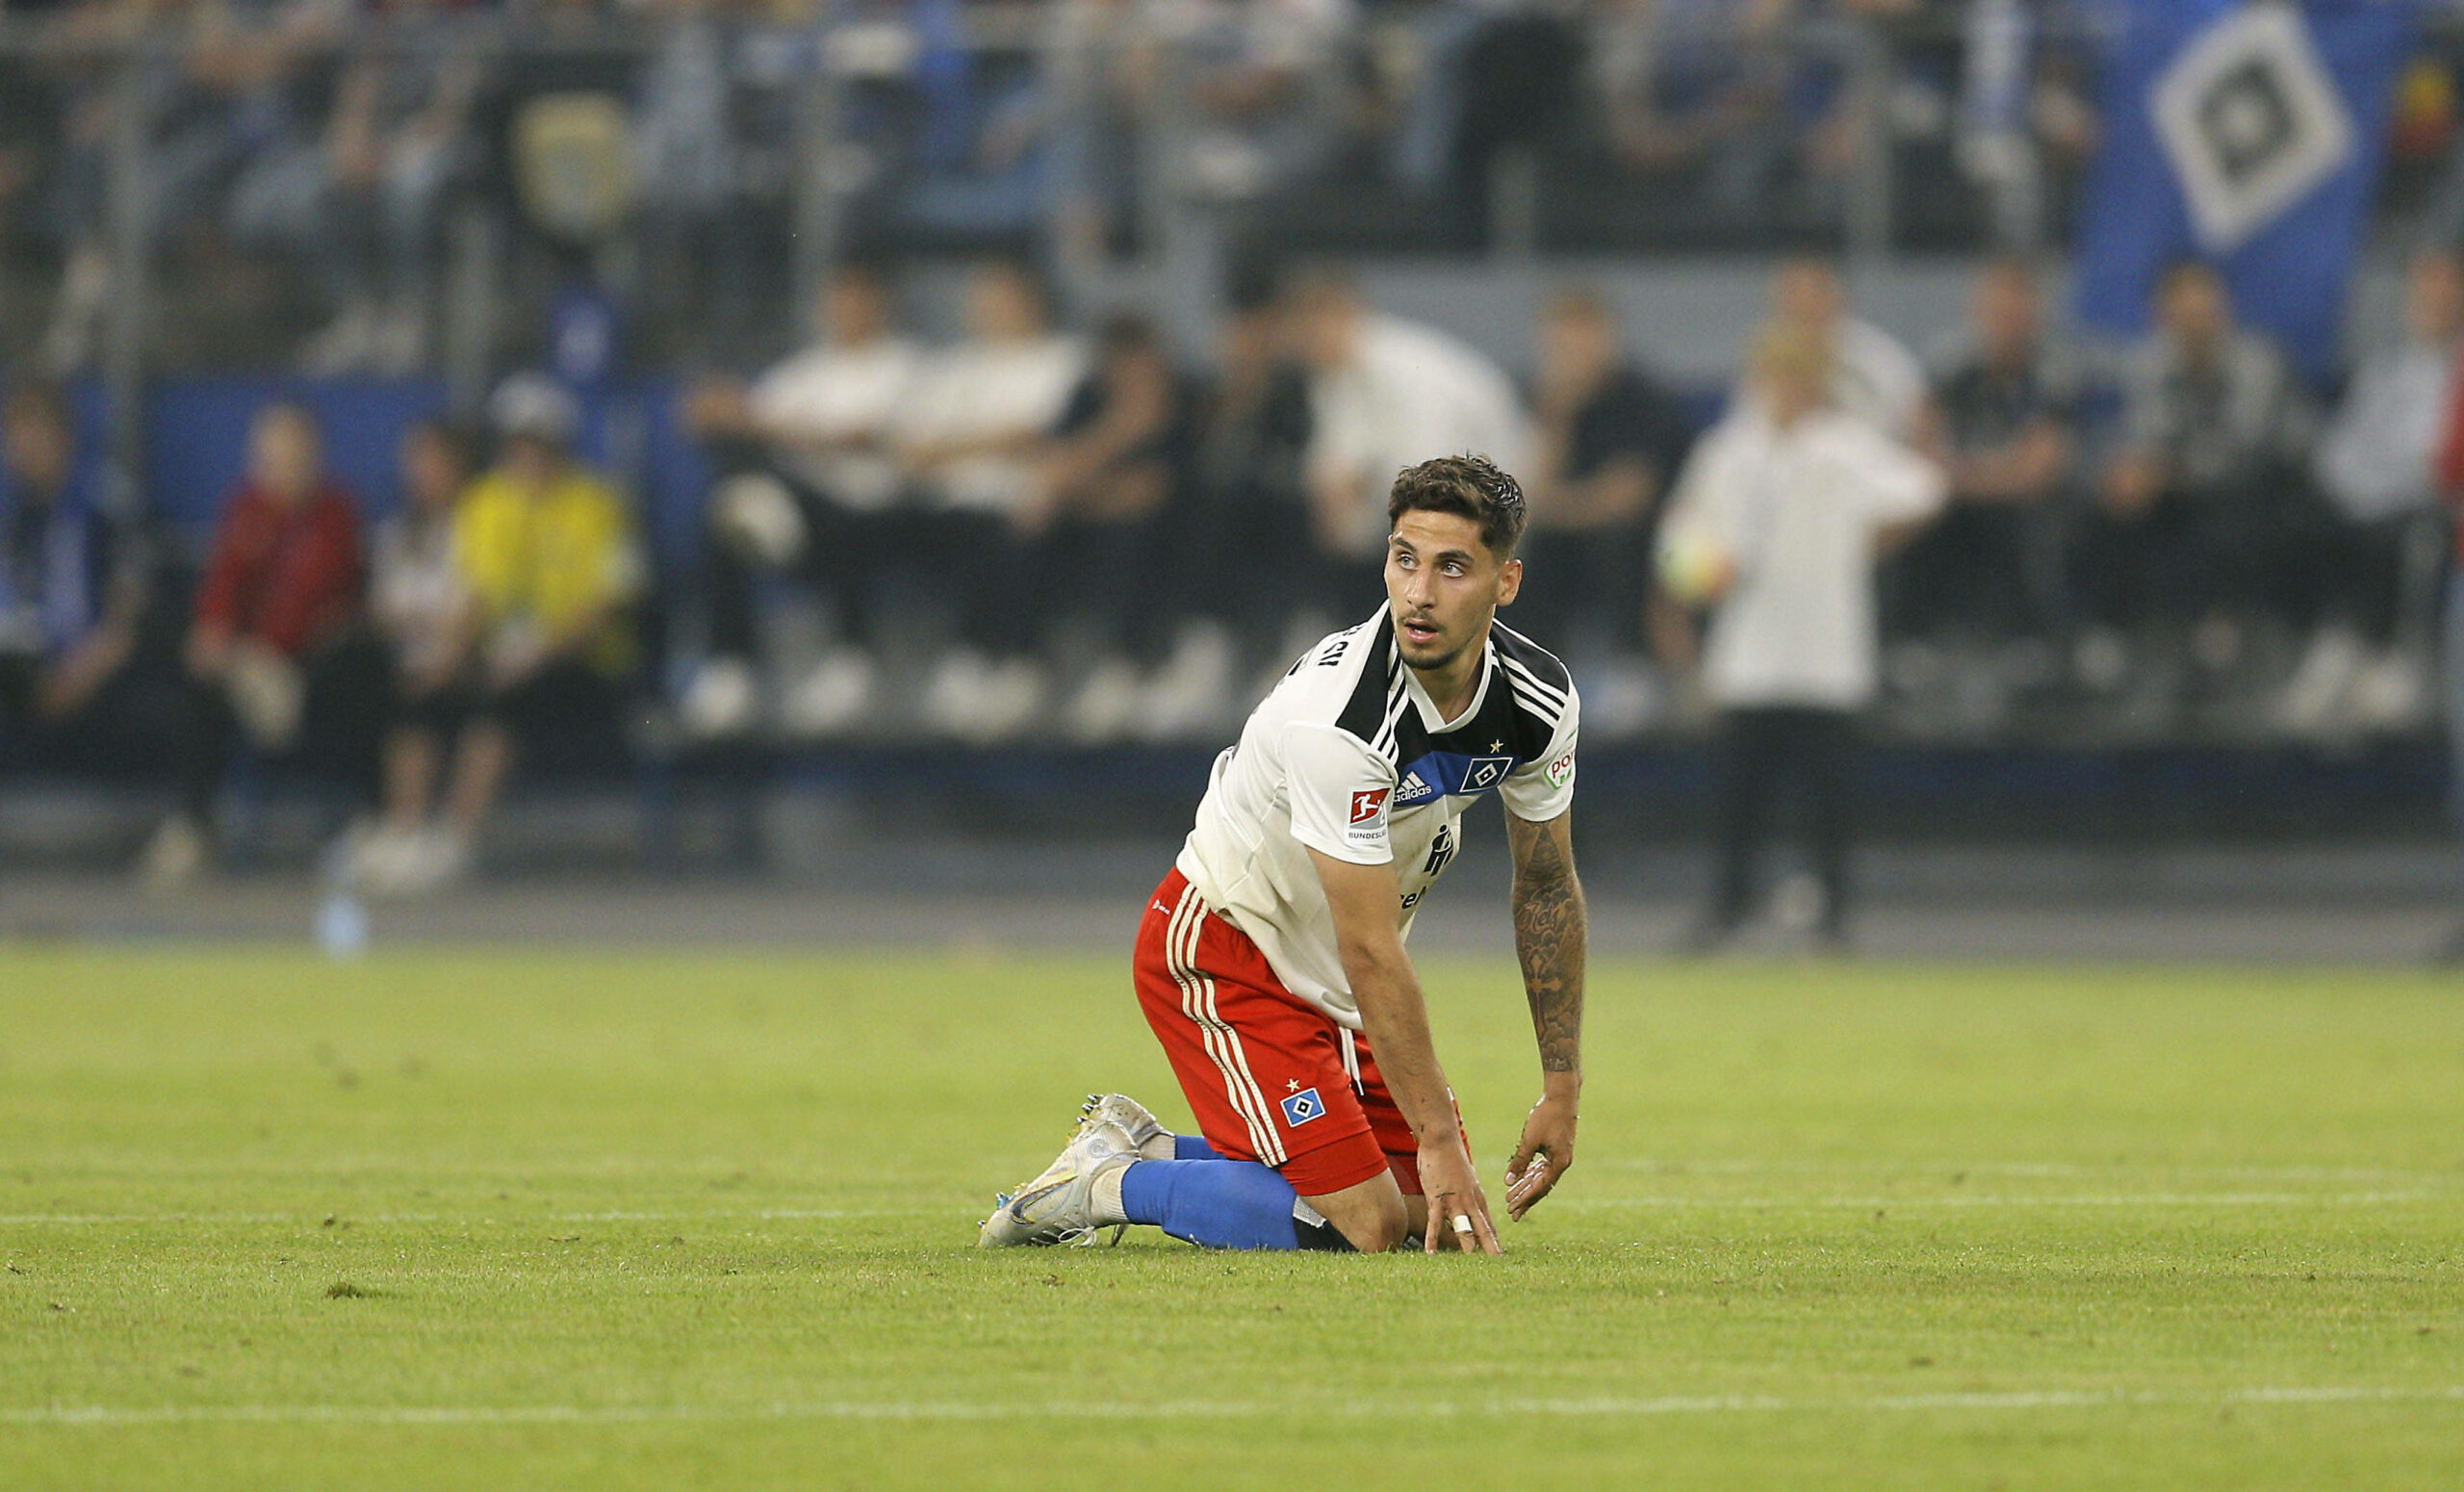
[1415,787]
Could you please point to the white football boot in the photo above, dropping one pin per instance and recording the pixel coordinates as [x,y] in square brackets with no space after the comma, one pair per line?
[1148,1135]
[1057,1207]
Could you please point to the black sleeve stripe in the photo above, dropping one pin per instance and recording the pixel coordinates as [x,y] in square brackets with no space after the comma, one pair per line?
[1527,685]
[1535,661]
[1546,715]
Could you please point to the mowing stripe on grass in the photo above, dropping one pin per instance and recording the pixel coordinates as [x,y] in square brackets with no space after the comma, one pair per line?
[108,1416]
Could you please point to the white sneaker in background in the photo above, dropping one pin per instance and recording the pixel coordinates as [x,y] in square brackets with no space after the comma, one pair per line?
[388,863]
[832,699]
[2101,660]
[720,701]
[174,857]
[1014,691]
[1192,694]
[955,693]
[2311,703]
[1105,705]
[1798,904]
[438,857]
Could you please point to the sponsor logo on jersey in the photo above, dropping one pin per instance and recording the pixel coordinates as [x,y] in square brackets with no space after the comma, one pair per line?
[1561,771]
[1302,1107]
[1415,787]
[1366,805]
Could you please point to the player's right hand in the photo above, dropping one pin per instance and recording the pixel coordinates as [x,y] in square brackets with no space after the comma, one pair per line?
[1458,1210]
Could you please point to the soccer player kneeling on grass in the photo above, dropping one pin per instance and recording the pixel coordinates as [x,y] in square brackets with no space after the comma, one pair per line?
[1270,962]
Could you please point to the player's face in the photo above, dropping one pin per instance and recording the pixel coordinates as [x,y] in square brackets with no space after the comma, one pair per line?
[1444,586]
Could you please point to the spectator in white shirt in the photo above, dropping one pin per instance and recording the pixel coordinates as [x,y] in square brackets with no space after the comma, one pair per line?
[2378,468]
[421,603]
[972,434]
[1775,527]
[1385,394]
[808,483]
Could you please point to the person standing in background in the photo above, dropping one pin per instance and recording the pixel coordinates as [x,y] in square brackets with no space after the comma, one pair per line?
[1775,527]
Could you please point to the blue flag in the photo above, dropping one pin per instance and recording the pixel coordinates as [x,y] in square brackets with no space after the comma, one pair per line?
[2247,135]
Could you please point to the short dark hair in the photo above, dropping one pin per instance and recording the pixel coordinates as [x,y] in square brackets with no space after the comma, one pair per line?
[1468,486]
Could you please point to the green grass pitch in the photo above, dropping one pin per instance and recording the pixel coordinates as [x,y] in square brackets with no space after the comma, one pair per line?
[536,1220]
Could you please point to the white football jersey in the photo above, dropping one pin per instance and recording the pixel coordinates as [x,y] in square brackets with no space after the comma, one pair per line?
[1349,756]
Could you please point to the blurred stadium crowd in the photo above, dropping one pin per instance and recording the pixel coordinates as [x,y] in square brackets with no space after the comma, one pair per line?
[1062,520]
[304,158]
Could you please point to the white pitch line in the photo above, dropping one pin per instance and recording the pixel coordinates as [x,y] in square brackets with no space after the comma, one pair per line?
[2100,1199]
[449,1415]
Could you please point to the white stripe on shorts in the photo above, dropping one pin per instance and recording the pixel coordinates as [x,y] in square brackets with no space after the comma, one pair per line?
[1222,1044]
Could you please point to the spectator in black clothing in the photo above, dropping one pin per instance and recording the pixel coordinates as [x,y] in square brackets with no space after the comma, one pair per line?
[71,593]
[2189,535]
[1243,564]
[2003,422]
[1108,476]
[1609,441]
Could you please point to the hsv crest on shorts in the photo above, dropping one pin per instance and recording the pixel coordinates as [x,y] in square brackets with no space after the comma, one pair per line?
[1302,1107]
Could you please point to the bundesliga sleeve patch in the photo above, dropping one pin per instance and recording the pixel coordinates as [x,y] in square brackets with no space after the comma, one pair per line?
[1366,805]
[1561,771]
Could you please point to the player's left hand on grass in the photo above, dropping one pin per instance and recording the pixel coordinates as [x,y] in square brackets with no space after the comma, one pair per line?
[1543,1155]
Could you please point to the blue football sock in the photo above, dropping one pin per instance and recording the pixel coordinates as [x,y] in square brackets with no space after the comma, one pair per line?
[1193,1147]
[1221,1204]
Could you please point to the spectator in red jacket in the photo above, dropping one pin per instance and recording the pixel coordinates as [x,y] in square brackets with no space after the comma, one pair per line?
[277,650]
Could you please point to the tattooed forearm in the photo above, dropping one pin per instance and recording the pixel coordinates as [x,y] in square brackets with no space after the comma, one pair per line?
[1551,936]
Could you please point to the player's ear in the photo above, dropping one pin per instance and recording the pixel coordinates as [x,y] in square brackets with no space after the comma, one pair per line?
[1509,581]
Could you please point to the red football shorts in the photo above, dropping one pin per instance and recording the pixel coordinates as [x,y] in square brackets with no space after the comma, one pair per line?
[1269,1077]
